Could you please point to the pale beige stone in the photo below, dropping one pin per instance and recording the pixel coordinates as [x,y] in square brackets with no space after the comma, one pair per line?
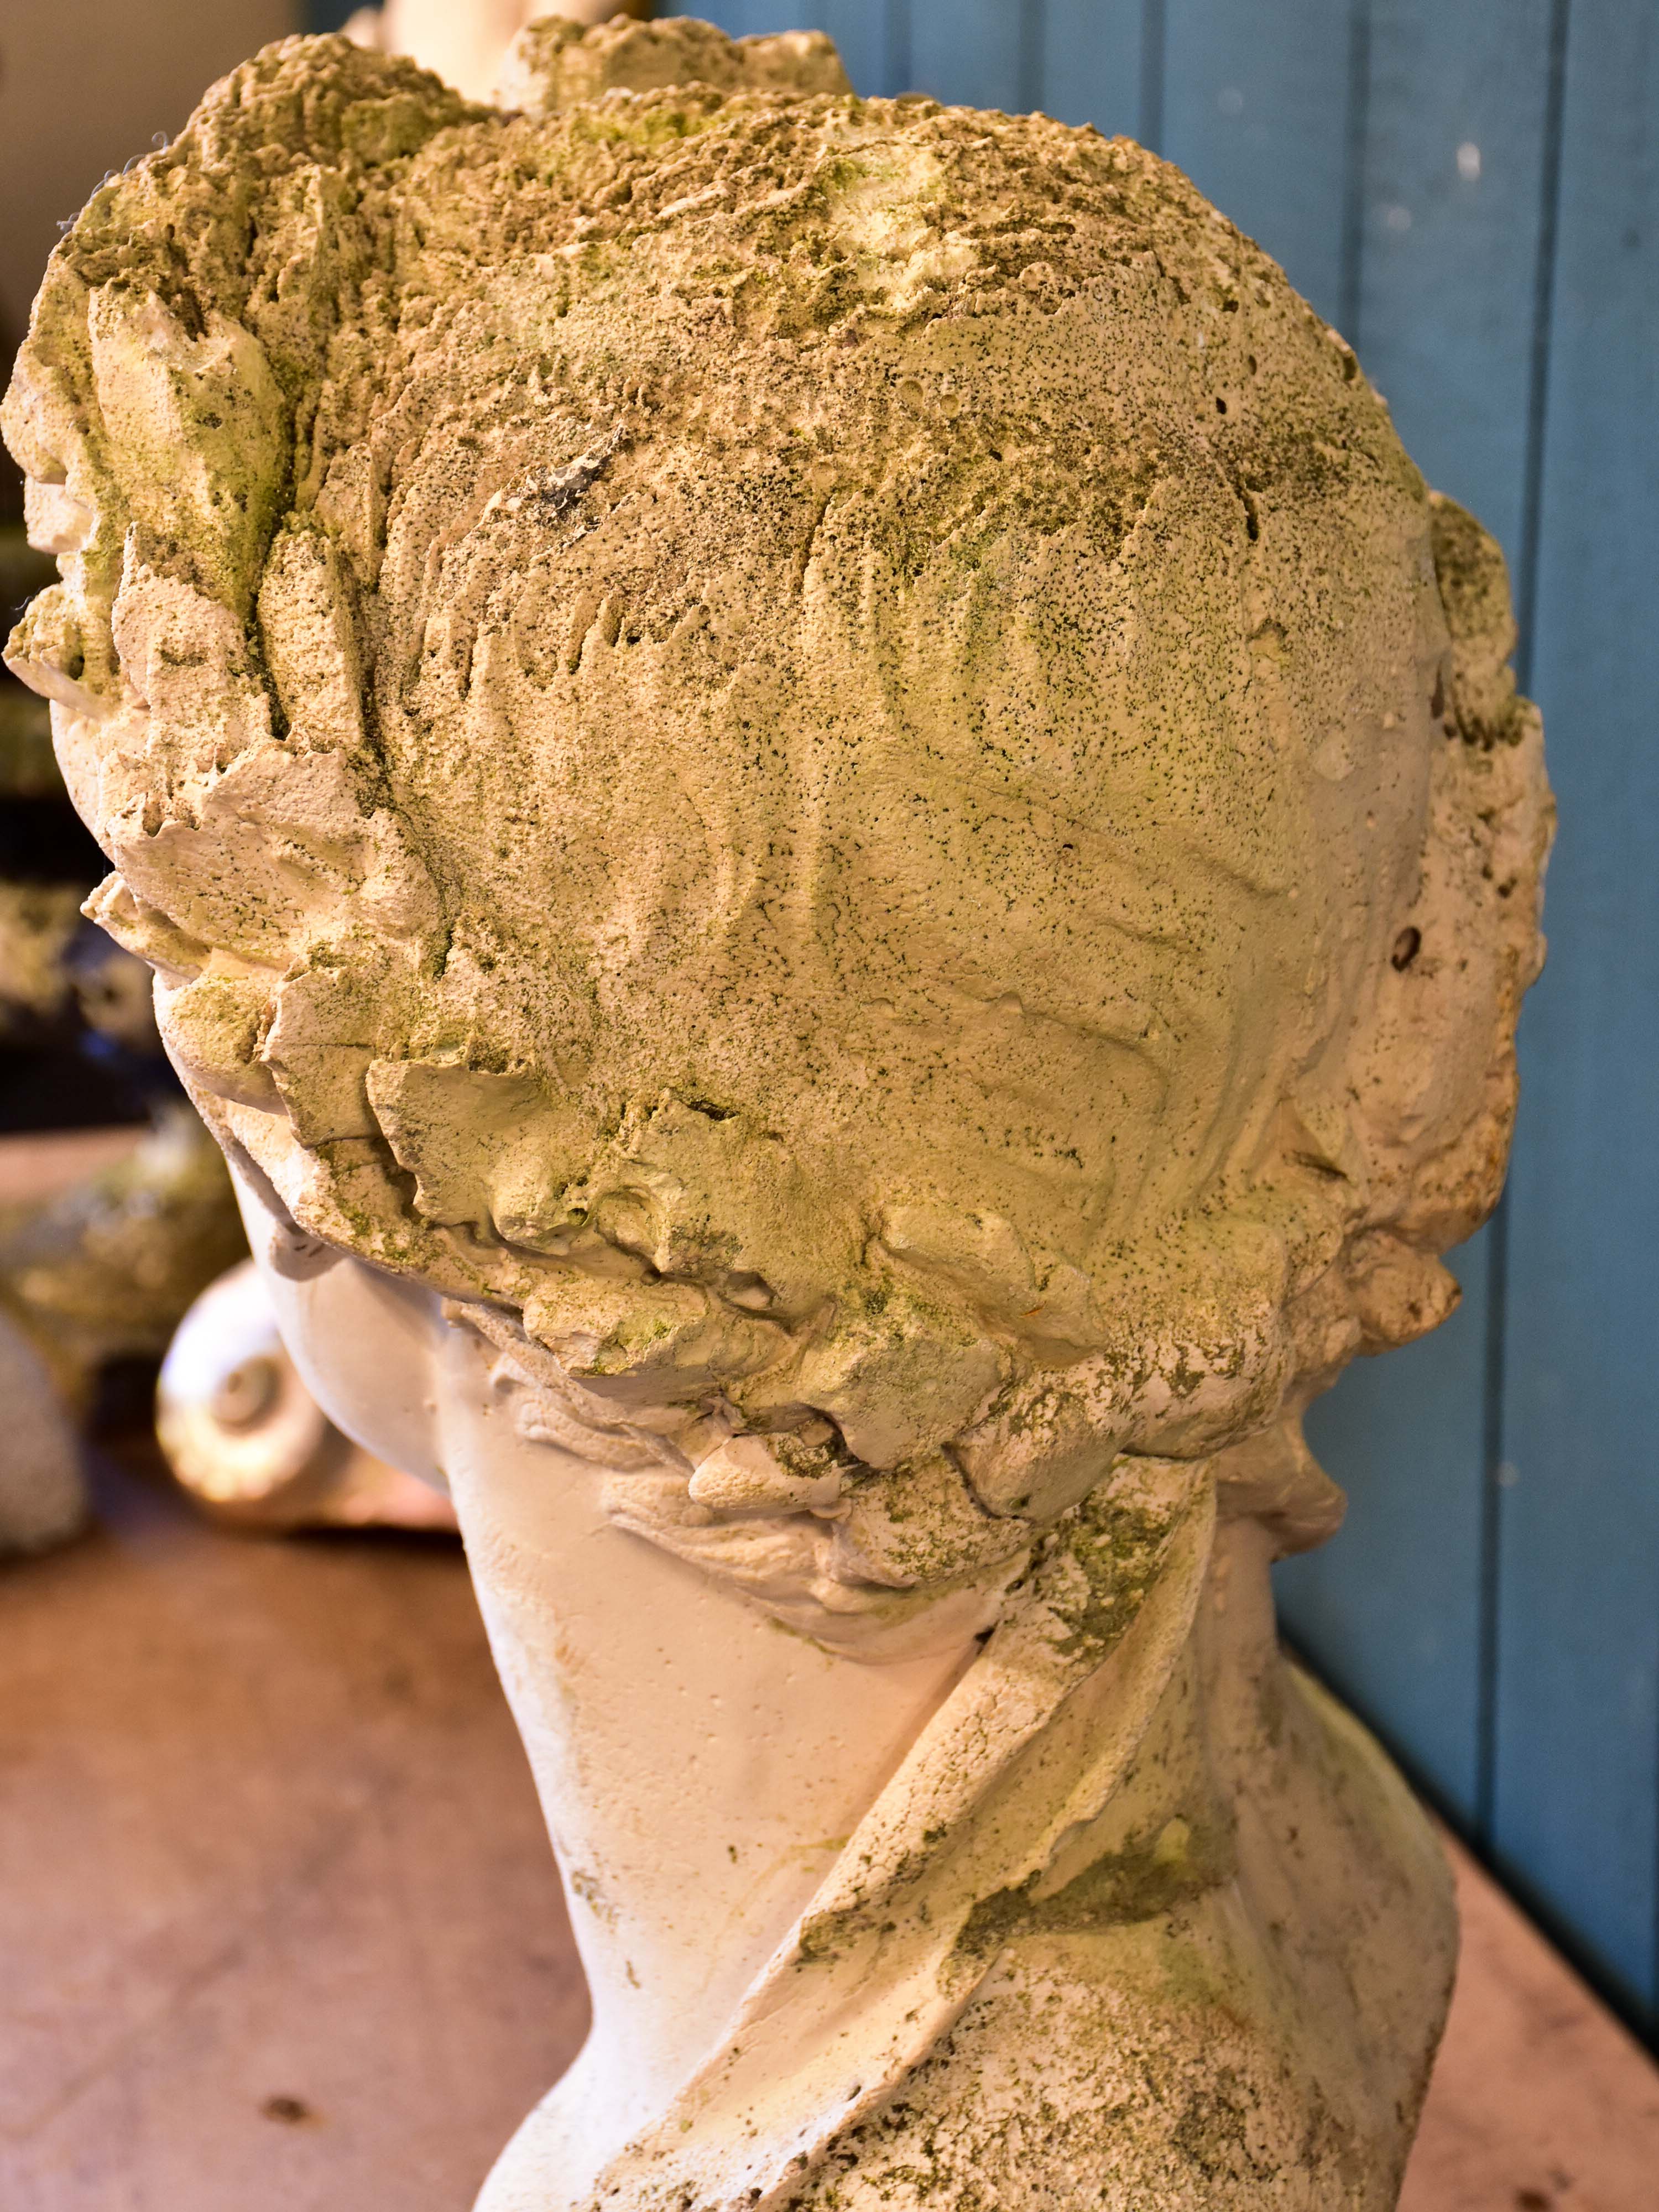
[43,1495]
[252,1445]
[847,860]
[103,1269]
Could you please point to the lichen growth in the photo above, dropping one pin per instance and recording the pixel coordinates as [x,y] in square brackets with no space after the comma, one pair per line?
[811,722]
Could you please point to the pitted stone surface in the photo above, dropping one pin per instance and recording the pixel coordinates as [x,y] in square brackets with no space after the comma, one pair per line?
[816,722]
[820,757]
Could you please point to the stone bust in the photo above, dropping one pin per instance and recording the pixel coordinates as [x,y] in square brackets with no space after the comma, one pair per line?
[846,859]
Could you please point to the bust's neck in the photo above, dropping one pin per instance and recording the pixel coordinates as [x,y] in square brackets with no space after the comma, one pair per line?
[699,1765]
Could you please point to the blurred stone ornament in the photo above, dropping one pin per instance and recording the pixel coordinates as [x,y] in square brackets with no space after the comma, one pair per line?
[106,1270]
[27,767]
[43,1497]
[114,991]
[53,964]
[250,1444]
[77,1013]
[38,923]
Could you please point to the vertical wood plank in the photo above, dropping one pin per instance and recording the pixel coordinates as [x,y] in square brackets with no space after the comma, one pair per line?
[1257,110]
[1441,305]
[860,29]
[970,53]
[1088,62]
[1390,1611]
[1576,1812]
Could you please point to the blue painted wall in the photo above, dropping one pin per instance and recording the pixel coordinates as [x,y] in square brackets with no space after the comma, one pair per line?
[1471,191]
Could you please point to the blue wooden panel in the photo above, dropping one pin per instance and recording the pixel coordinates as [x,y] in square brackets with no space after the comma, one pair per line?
[1258,110]
[1390,1611]
[1454,159]
[864,30]
[980,53]
[738,18]
[973,52]
[1088,62]
[1449,188]
[1577,1775]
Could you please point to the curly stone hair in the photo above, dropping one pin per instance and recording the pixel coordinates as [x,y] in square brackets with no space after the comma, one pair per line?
[824,746]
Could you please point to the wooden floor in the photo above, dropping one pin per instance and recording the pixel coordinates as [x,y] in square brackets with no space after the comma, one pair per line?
[280,1932]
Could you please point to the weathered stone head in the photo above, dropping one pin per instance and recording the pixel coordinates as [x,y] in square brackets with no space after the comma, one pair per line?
[824,747]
